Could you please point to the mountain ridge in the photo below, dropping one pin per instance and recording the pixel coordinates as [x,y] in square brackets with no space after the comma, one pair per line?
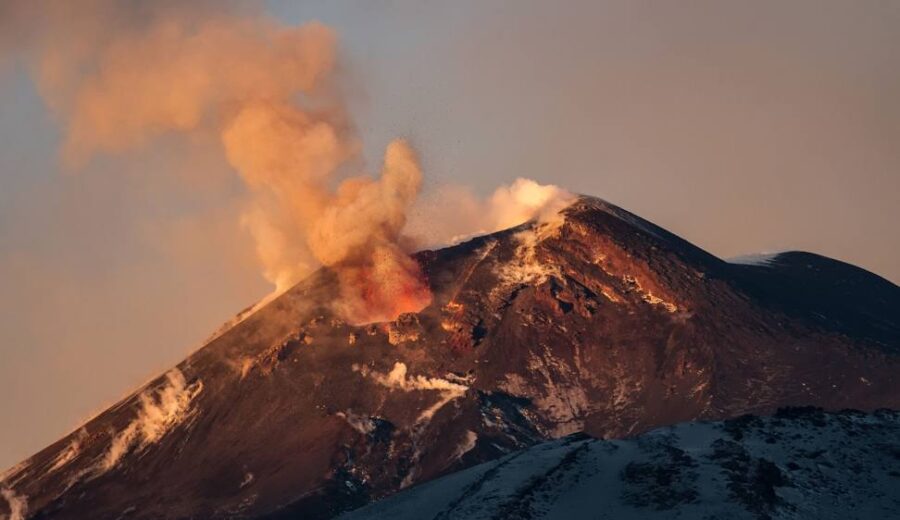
[598,321]
[798,463]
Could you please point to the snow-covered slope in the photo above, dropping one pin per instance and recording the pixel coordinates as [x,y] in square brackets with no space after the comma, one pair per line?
[800,463]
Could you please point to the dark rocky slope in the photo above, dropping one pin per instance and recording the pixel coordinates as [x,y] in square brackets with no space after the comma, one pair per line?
[600,322]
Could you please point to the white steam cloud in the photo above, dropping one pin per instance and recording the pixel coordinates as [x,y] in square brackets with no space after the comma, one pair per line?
[452,213]
[398,379]
[121,79]
[159,412]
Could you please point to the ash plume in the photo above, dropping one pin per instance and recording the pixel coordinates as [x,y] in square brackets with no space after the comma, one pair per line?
[266,90]
[120,77]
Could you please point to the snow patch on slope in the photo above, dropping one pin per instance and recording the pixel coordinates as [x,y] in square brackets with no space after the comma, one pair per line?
[397,379]
[526,267]
[634,284]
[757,259]
[360,423]
[159,412]
[18,505]
[467,444]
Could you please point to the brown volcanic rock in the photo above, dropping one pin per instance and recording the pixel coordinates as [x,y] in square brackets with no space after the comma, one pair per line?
[600,322]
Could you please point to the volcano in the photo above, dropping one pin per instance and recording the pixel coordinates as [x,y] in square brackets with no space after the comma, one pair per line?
[596,321]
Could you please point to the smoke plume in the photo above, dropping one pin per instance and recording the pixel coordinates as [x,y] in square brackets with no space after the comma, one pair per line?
[452,213]
[120,78]
[267,91]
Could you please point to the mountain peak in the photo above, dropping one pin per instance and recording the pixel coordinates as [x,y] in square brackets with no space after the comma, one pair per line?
[597,321]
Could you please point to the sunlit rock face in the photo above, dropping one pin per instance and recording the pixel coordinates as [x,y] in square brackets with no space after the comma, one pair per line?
[591,321]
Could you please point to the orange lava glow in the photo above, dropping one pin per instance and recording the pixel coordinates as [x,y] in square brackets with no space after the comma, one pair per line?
[382,290]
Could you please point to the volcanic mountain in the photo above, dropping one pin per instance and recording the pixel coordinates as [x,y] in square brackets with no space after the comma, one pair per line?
[596,321]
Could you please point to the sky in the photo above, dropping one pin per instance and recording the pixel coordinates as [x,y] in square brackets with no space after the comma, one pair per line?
[741,126]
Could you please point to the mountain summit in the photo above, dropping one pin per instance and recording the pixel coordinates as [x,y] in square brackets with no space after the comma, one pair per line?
[596,321]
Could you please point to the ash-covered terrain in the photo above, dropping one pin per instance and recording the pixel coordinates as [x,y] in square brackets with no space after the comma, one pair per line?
[596,322]
[801,463]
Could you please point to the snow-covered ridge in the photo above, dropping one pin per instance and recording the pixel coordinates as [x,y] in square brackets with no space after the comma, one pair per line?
[757,259]
[801,463]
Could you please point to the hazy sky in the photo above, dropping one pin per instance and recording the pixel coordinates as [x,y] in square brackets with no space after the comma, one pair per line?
[741,126]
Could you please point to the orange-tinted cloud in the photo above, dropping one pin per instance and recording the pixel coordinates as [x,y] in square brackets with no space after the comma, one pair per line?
[266,90]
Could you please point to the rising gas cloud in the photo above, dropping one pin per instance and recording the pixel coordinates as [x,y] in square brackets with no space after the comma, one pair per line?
[119,79]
